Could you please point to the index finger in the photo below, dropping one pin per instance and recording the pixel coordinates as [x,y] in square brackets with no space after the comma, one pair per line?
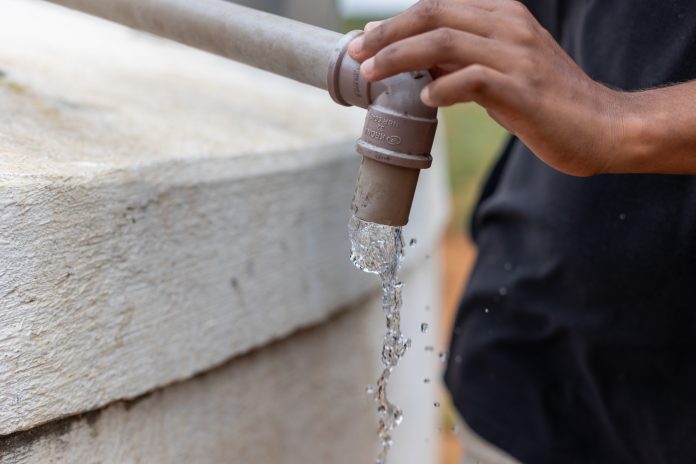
[466,15]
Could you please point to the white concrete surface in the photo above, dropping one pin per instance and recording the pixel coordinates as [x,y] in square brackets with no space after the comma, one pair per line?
[163,211]
[156,204]
[245,412]
[300,400]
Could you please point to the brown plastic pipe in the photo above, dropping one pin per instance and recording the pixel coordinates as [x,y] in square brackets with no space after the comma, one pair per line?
[396,140]
[399,128]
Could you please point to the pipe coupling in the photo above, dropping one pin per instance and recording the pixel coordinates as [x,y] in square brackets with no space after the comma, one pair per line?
[397,137]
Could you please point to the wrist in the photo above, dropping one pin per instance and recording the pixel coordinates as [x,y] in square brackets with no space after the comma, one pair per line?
[639,134]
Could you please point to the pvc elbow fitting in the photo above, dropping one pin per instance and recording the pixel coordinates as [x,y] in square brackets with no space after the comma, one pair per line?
[397,137]
[396,140]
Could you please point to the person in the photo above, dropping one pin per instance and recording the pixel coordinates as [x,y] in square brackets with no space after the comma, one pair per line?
[575,341]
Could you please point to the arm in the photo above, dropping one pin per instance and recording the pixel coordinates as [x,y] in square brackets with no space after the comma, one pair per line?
[495,53]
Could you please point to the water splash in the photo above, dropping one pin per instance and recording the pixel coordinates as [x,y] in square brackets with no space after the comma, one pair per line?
[378,249]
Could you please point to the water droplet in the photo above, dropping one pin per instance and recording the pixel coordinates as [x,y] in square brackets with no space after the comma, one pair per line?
[442,357]
[486,310]
[502,291]
[370,390]
[436,404]
[426,380]
[458,359]
[508,266]
[429,348]
[413,242]
[424,327]
[622,216]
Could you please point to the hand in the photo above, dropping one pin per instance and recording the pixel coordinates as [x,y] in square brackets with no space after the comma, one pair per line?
[495,53]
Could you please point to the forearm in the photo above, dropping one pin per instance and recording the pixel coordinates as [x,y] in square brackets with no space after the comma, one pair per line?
[658,130]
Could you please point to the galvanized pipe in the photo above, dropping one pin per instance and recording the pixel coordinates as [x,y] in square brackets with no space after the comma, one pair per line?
[282,46]
[399,128]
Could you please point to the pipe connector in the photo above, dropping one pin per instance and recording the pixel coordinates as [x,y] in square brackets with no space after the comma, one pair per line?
[397,137]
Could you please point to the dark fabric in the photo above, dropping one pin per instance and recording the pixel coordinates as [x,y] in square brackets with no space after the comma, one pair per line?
[576,338]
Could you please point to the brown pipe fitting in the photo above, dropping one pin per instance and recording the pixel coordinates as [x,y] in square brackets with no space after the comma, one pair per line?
[396,140]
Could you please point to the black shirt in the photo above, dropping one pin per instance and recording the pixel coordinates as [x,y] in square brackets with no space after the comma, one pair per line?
[576,338]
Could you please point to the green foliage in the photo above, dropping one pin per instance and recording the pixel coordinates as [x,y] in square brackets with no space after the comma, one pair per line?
[351,24]
[474,141]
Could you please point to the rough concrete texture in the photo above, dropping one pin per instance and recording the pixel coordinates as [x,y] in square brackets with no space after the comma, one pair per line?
[245,411]
[161,211]
[154,203]
[300,400]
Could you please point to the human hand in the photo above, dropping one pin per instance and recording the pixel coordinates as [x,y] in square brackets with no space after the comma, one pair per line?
[495,53]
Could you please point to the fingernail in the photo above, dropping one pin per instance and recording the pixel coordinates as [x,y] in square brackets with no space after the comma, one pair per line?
[368,67]
[426,98]
[356,45]
[371,25]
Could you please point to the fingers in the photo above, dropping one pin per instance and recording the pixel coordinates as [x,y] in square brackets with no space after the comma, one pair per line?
[488,87]
[371,25]
[426,15]
[439,48]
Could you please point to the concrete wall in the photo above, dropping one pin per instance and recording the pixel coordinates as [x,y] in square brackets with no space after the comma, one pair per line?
[163,213]
[298,400]
[245,411]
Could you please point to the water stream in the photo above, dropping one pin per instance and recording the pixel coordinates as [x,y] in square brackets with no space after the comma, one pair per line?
[378,249]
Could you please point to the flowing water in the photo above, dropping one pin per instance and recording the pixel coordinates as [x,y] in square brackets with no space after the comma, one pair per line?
[378,249]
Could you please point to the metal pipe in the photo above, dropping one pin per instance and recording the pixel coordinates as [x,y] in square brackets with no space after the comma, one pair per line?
[282,46]
[399,129]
